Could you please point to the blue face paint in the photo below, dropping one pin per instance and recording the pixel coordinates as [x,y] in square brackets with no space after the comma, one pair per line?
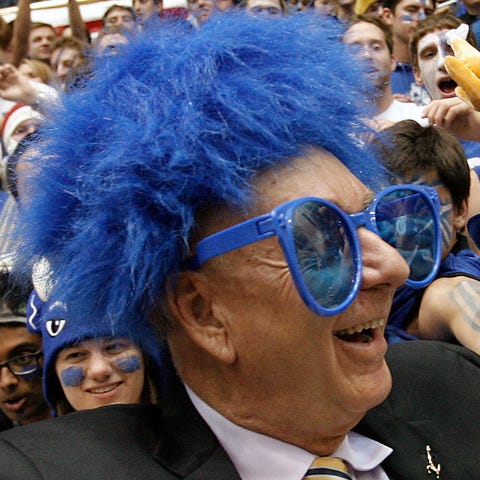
[129,364]
[72,376]
[446,211]
[406,18]
[445,48]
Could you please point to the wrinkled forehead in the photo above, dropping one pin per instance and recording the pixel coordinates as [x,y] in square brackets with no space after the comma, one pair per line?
[317,173]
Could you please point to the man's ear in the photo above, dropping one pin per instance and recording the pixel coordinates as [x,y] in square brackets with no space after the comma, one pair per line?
[393,63]
[460,216]
[193,306]
[418,76]
[387,16]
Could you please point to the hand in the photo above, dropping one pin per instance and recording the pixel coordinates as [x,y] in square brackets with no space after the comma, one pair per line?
[456,116]
[15,86]
[464,68]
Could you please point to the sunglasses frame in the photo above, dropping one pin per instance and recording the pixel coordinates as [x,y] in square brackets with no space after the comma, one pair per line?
[279,222]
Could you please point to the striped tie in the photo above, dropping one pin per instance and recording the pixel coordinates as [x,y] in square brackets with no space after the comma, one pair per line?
[327,468]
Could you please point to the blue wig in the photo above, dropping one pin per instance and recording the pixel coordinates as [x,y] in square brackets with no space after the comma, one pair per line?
[181,121]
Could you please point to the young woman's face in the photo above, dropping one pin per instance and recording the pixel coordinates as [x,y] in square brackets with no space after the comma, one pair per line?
[101,371]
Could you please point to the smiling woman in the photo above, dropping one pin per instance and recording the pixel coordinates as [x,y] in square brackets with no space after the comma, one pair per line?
[90,364]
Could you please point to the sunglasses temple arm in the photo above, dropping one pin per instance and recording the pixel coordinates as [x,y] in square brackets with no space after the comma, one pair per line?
[232,238]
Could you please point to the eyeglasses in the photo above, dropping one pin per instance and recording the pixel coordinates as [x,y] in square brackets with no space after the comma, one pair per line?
[322,248]
[23,364]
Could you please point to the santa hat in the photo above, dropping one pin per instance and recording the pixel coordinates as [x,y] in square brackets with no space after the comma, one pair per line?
[14,117]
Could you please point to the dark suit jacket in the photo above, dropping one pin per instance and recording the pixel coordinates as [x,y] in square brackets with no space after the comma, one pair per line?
[435,402]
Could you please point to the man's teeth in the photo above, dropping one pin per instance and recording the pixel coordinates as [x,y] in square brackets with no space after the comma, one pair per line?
[103,389]
[365,326]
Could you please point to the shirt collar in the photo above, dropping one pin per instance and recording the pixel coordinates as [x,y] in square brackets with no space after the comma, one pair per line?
[260,457]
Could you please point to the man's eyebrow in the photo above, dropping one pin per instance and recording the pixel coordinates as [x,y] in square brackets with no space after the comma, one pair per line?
[24,347]
[367,199]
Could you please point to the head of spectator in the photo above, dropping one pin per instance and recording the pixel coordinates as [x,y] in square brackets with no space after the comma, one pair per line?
[109,40]
[273,8]
[20,121]
[224,222]
[428,50]
[40,40]
[18,165]
[147,9]
[403,16]
[119,16]
[67,32]
[372,38]
[431,156]
[68,56]
[90,363]
[21,361]
[372,8]
[36,70]
[200,10]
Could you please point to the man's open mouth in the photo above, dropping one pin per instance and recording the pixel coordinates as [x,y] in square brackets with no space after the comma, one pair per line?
[362,333]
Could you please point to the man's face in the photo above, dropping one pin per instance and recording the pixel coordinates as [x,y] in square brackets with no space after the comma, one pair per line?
[452,219]
[432,50]
[120,17]
[370,40]
[201,9]
[406,16]
[264,7]
[288,359]
[39,42]
[63,60]
[21,397]
[144,9]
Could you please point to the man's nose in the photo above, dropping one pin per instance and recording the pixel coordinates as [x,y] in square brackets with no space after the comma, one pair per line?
[382,263]
[7,378]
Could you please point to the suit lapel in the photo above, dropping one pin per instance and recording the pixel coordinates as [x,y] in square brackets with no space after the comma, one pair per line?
[409,441]
[187,447]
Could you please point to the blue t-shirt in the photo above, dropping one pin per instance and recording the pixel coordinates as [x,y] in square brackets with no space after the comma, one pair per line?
[402,81]
[406,301]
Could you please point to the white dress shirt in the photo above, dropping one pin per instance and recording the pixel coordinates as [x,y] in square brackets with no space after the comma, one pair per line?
[259,457]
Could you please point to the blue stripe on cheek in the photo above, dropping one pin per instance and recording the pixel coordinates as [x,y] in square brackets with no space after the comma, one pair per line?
[129,364]
[72,376]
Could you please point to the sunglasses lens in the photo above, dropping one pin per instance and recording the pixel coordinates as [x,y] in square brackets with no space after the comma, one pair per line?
[406,221]
[323,253]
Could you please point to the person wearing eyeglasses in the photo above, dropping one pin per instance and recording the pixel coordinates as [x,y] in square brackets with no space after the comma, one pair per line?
[21,360]
[237,207]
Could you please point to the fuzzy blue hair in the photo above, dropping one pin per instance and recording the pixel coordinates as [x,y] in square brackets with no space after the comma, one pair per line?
[180,121]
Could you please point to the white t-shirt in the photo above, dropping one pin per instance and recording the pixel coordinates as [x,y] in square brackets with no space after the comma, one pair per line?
[398,111]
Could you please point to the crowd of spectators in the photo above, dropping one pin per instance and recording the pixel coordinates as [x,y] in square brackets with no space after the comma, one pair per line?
[401,44]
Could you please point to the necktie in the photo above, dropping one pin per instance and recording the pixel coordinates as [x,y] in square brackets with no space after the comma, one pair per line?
[327,468]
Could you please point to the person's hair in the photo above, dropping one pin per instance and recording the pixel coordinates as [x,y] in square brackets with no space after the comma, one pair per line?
[392,4]
[69,42]
[378,22]
[441,21]
[40,68]
[133,160]
[409,148]
[35,25]
[117,7]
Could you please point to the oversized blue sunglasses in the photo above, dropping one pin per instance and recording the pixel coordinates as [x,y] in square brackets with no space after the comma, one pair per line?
[322,248]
